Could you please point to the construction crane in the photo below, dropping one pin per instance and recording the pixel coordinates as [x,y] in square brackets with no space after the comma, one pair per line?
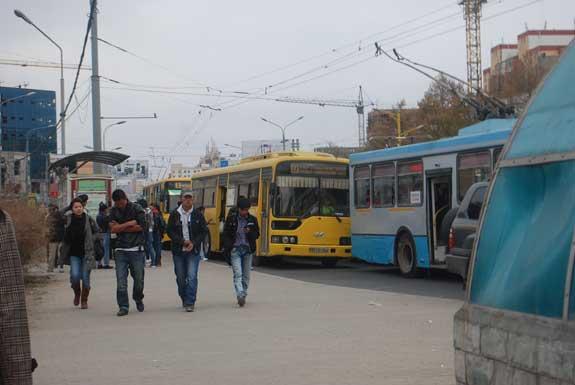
[37,63]
[358,104]
[472,14]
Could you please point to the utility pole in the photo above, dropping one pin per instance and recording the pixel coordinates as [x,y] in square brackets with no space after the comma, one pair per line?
[361,119]
[472,14]
[96,112]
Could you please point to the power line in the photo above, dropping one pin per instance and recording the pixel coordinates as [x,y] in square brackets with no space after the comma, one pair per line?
[355,43]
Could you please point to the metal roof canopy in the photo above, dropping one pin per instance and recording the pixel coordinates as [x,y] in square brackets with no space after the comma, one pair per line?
[105,157]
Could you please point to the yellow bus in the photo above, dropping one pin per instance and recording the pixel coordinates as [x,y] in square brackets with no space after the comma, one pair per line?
[301,201]
[166,194]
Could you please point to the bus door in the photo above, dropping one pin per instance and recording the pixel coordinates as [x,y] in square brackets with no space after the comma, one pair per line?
[265,199]
[439,188]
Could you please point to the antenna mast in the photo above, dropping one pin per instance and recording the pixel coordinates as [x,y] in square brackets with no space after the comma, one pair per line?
[472,14]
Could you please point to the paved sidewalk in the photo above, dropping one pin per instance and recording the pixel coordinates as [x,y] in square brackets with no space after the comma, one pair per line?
[290,333]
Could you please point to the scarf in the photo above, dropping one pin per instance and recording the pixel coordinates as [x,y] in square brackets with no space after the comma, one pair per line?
[185,219]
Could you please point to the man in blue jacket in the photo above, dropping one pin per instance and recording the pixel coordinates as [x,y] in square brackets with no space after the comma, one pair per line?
[187,230]
[241,231]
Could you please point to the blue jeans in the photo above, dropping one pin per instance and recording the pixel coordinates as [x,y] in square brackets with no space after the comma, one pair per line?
[241,259]
[186,266]
[134,262]
[157,260]
[106,260]
[79,272]
[150,252]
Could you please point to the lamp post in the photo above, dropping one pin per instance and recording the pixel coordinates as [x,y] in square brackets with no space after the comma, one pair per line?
[106,131]
[283,129]
[22,16]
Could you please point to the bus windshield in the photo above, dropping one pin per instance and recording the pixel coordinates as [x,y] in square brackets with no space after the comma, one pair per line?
[311,195]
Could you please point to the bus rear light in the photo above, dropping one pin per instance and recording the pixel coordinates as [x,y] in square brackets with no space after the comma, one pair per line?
[451,240]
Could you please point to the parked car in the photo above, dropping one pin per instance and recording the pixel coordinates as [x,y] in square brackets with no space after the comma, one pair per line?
[463,229]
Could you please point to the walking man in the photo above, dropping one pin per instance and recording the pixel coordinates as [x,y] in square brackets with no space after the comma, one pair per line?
[187,229]
[102,220]
[241,231]
[128,222]
[159,230]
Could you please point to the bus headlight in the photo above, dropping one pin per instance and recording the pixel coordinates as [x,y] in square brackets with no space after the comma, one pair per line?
[284,239]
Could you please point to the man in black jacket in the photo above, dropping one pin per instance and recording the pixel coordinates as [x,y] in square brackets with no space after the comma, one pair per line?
[187,229]
[128,221]
[241,231]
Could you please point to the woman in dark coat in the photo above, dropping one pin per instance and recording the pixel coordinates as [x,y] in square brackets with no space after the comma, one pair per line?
[78,250]
[15,360]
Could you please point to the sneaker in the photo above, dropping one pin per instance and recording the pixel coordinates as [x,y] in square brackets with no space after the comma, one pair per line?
[140,306]
[241,301]
[100,267]
[61,269]
[189,308]
[122,312]
[107,267]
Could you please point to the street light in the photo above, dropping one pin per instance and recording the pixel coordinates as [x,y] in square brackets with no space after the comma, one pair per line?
[106,130]
[114,149]
[17,97]
[282,128]
[22,16]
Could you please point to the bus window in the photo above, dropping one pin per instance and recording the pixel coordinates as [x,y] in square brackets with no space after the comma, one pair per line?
[209,197]
[496,155]
[361,187]
[243,190]
[253,193]
[383,185]
[410,183]
[198,196]
[334,197]
[472,168]
[297,196]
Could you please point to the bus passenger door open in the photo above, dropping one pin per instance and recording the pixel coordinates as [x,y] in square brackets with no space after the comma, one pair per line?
[439,188]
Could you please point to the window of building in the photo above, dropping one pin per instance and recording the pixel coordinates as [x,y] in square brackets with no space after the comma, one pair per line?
[383,185]
[472,168]
[17,168]
[361,187]
[410,183]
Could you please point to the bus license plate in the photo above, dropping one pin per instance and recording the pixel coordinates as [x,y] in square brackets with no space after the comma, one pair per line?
[319,250]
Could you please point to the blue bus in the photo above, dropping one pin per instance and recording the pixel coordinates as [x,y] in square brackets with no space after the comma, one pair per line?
[400,195]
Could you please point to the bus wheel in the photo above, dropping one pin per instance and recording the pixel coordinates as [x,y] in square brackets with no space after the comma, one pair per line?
[207,245]
[406,256]
[258,260]
[329,262]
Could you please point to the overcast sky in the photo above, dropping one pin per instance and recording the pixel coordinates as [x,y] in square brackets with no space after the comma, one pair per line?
[225,44]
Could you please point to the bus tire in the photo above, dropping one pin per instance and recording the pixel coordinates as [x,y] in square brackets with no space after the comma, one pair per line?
[258,260]
[406,256]
[207,246]
[329,262]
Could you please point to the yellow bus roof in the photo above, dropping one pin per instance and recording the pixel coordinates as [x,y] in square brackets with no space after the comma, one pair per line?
[168,180]
[269,160]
